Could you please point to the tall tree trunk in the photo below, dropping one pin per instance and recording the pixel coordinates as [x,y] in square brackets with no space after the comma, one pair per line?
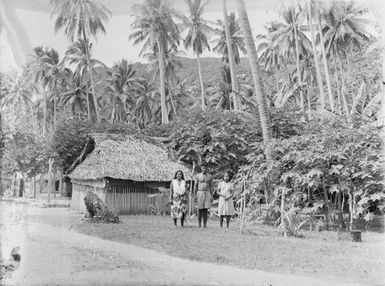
[301,97]
[89,117]
[351,209]
[308,103]
[324,60]
[315,54]
[257,80]
[21,187]
[339,100]
[171,99]
[113,113]
[89,71]
[50,170]
[203,91]
[326,203]
[343,94]
[94,99]
[45,112]
[283,225]
[54,112]
[234,82]
[34,187]
[61,184]
[163,105]
[376,7]
[1,139]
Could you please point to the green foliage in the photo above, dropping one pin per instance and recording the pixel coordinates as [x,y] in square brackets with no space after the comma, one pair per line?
[293,223]
[219,138]
[27,153]
[71,136]
[328,157]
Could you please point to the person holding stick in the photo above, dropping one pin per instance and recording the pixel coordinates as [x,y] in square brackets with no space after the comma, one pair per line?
[203,190]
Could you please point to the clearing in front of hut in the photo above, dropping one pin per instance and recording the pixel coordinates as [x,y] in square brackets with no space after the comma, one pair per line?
[260,247]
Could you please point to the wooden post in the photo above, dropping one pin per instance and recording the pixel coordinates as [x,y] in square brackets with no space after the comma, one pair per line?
[54,185]
[50,165]
[326,202]
[34,187]
[61,185]
[243,202]
[283,197]
[190,196]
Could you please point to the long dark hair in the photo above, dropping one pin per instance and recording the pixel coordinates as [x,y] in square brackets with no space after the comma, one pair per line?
[176,173]
[230,174]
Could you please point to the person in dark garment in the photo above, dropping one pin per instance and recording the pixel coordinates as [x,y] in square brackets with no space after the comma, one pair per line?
[178,197]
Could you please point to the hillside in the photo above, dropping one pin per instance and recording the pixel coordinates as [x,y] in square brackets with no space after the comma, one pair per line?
[211,69]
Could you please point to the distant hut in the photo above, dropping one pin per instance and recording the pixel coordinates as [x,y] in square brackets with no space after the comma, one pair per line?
[122,170]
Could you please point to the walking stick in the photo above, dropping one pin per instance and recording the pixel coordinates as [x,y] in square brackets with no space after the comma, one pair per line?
[243,202]
[191,190]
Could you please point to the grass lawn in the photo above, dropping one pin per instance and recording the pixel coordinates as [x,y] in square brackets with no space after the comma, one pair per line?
[260,247]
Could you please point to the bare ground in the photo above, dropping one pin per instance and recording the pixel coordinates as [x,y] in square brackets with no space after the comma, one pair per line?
[54,255]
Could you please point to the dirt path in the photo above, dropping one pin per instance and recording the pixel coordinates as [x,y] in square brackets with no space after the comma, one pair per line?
[58,256]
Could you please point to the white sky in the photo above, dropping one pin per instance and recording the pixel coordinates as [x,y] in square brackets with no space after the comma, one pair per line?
[115,45]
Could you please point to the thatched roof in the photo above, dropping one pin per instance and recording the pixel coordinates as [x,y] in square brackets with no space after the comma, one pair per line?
[127,157]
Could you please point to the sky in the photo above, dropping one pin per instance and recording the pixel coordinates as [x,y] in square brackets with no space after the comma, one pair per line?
[38,28]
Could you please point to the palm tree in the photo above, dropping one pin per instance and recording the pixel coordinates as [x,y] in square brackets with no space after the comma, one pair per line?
[237,40]
[378,11]
[268,53]
[75,95]
[257,80]
[81,19]
[346,26]
[290,38]
[310,15]
[121,85]
[319,11]
[79,54]
[171,62]
[220,93]
[47,68]
[197,36]
[154,26]
[234,82]
[144,104]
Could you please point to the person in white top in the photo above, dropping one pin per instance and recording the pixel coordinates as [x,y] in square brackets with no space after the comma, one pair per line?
[178,198]
[225,204]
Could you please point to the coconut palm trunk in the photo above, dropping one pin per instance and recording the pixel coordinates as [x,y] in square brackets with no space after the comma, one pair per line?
[326,69]
[94,99]
[54,112]
[315,54]
[301,97]
[89,70]
[343,94]
[257,80]
[203,92]
[45,111]
[234,82]
[376,7]
[1,142]
[89,117]
[163,105]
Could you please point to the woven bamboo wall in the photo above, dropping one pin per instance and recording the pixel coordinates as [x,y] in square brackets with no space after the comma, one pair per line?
[131,199]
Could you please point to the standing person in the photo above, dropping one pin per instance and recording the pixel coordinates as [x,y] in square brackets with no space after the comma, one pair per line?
[203,189]
[225,204]
[178,198]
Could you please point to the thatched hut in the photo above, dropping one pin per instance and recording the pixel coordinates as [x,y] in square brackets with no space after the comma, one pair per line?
[123,171]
